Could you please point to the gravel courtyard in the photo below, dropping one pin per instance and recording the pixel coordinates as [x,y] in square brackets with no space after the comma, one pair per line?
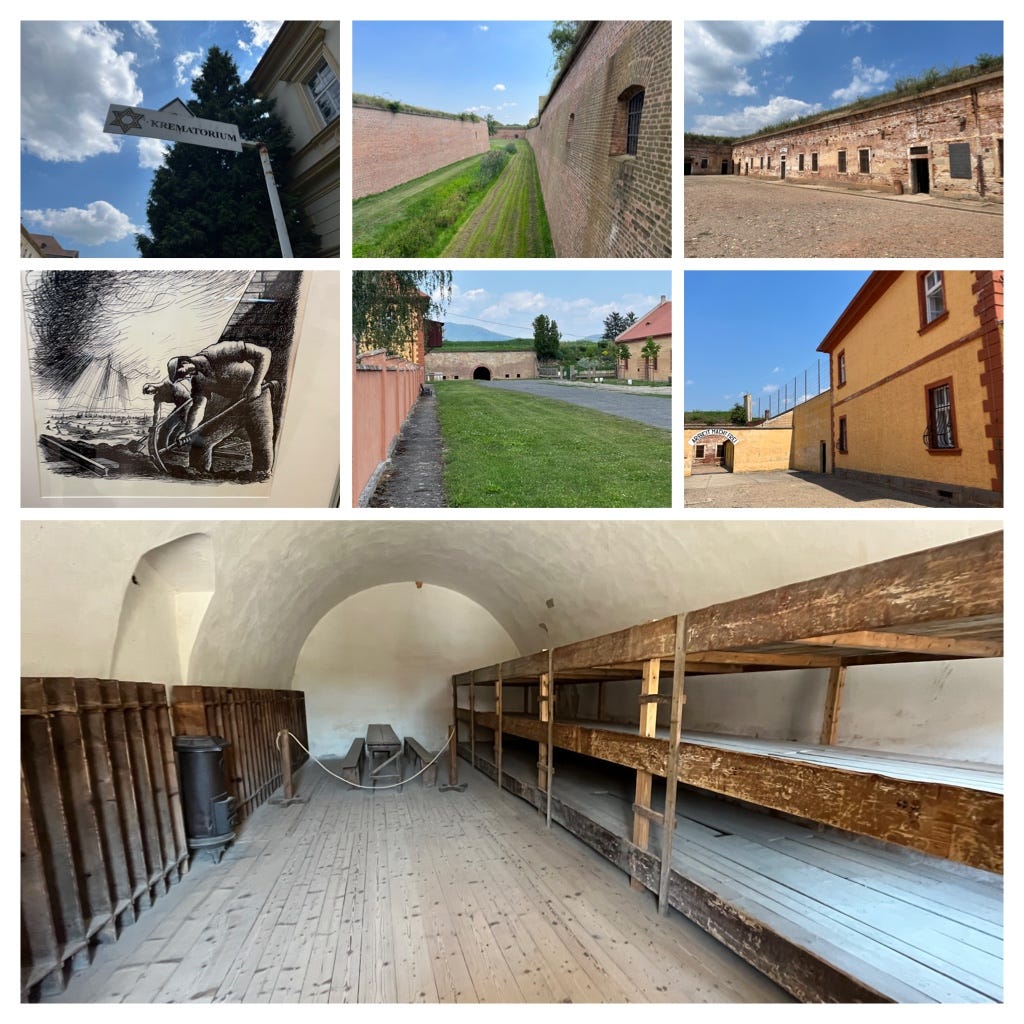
[733,216]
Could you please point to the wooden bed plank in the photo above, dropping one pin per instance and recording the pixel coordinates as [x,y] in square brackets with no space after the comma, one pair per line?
[957,584]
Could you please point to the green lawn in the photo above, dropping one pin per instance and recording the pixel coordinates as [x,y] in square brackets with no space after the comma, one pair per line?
[453,212]
[508,450]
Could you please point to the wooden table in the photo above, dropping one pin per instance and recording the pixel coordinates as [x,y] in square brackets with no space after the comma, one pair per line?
[385,752]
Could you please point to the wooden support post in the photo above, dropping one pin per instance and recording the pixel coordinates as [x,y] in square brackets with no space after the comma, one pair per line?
[285,742]
[675,729]
[543,690]
[472,722]
[648,727]
[551,726]
[498,699]
[453,747]
[833,700]
[600,701]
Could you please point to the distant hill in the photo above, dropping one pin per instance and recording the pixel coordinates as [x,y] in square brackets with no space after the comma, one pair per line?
[467,332]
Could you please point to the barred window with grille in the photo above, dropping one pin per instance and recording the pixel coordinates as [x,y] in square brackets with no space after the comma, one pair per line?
[940,417]
[636,106]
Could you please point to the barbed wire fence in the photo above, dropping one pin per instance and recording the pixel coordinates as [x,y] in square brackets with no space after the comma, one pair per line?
[807,384]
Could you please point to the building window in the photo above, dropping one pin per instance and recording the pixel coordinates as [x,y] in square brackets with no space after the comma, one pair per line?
[325,91]
[841,369]
[931,297]
[568,134]
[960,160]
[769,163]
[814,161]
[699,451]
[842,435]
[865,160]
[704,164]
[636,106]
[842,161]
[762,164]
[941,424]
[720,452]
[800,162]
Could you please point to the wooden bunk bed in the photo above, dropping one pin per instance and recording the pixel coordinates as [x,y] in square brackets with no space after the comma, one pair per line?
[940,604]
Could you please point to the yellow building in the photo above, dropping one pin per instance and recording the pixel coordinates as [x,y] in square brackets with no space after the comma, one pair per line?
[917,384]
[300,71]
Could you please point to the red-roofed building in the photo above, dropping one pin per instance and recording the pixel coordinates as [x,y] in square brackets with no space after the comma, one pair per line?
[656,326]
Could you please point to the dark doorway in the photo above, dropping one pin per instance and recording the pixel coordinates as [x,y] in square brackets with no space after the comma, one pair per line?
[725,166]
[782,167]
[687,167]
[824,458]
[919,176]
[481,373]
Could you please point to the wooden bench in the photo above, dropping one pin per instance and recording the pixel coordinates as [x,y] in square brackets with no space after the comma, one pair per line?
[421,756]
[351,765]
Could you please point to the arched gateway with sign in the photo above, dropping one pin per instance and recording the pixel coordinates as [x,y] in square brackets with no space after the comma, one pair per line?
[713,449]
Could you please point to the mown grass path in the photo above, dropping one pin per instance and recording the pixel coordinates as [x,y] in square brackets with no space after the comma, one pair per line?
[511,220]
[508,450]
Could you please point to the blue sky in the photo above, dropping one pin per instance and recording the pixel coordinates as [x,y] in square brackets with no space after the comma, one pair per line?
[86,188]
[506,302]
[754,331]
[487,67]
[742,75]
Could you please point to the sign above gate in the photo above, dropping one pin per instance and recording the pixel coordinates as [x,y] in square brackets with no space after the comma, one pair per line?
[713,432]
[171,125]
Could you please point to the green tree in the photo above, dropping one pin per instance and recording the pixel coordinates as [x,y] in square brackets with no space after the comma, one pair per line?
[546,337]
[213,202]
[737,414]
[386,304]
[492,125]
[563,36]
[615,323]
[650,354]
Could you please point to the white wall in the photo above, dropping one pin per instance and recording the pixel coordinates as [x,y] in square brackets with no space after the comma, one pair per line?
[387,655]
[947,709]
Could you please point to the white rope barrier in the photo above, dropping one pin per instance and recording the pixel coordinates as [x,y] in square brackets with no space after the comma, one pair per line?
[356,785]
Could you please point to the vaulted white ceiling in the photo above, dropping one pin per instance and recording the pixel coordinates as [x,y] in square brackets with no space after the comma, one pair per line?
[546,582]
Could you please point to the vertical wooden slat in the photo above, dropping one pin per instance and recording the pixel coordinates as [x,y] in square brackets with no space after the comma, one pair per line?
[675,726]
[79,807]
[472,722]
[151,696]
[142,786]
[833,701]
[648,726]
[179,844]
[98,754]
[542,715]
[124,788]
[550,759]
[41,950]
[499,705]
[453,750]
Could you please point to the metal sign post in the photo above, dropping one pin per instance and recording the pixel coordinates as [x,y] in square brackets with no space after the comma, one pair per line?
[175,123]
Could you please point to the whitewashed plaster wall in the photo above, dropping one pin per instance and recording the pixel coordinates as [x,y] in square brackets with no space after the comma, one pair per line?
[387,655]
[947,709]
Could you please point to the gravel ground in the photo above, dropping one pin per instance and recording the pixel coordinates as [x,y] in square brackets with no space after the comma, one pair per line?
[414,478]
[791,489]
[740,217]
[655,411]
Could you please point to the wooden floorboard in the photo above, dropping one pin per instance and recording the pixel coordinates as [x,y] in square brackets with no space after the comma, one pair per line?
[914,927]
[409,896]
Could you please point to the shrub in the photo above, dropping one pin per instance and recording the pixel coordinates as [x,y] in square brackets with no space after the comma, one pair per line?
[492,165]
[510,148]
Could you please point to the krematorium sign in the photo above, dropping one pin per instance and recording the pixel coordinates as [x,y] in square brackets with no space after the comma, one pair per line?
[171,126]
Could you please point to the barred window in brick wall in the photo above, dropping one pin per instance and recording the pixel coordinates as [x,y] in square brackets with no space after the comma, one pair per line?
[842,161]
[865,161]
[325,91]
[636,106]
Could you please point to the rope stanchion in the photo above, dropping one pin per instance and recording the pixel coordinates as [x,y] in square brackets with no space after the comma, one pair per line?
[356,785]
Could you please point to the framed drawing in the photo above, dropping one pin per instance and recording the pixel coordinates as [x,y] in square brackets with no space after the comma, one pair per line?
[175,387]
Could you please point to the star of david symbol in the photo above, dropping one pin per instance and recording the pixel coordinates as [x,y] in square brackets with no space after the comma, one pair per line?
[126,119]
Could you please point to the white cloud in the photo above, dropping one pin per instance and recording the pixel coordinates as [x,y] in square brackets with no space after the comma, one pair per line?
[865,81]
[99,222]
[152,153]
[484,28]
[498,88]
[855,26]
[715,53]
[776,369]
[260,35]
[188,65]
[71,72]
[144,30]
[770,387]
[750,119]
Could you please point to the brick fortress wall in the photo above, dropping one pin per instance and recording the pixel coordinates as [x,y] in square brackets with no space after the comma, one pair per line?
[956,131]
[389,149]
[600,201]
[502,365]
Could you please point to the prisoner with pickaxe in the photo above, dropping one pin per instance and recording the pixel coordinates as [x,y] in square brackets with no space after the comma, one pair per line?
[234,371]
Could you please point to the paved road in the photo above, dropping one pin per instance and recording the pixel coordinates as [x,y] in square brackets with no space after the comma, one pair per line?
[790,489]
[655,411]
[734,216]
